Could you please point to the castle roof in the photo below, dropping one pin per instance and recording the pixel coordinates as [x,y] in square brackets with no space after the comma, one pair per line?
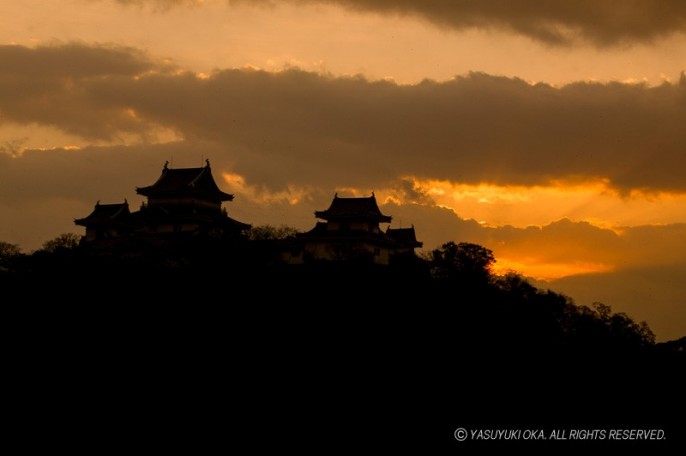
[106,214]
[354,208]
[196,182]
[404,236]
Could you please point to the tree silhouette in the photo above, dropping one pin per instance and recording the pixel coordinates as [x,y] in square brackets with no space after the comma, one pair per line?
[620,325]
[8,250]
[8,253]
[463,262]
[65,241]
[271,233]
[498,310]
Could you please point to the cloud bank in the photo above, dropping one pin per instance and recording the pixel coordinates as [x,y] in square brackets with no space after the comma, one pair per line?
[602,22]
[599,22]
[313,129]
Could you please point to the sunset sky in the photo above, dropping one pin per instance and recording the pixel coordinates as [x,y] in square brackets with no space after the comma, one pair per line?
[552,132]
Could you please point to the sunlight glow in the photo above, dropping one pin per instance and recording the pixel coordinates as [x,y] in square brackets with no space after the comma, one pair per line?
[292,195]
[530,267]
[593,201]
[562,229]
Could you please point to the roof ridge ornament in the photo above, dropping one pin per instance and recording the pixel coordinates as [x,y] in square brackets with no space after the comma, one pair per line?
[207,161]
[166,166]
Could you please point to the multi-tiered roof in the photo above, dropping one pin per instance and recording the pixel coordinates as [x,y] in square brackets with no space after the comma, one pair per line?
[364,208]
[195,183]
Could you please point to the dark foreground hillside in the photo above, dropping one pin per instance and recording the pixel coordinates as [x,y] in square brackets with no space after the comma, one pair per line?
[192,350]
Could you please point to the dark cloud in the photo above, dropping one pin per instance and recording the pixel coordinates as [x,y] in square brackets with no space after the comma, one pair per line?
[560,242]
[473,129]
[53,85]
[407,191]
[600,22]
[73,60]
[295,127]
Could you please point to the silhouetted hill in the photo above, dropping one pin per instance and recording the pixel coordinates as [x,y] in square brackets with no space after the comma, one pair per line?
[212,337]
[642,292]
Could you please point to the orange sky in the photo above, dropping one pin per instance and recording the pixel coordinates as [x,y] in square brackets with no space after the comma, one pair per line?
[553,136]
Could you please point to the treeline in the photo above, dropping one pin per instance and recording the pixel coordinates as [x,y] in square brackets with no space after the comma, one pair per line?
[390,356]
[456,280]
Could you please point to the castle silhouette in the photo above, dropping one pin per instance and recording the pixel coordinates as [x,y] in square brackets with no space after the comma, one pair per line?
[187,203]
